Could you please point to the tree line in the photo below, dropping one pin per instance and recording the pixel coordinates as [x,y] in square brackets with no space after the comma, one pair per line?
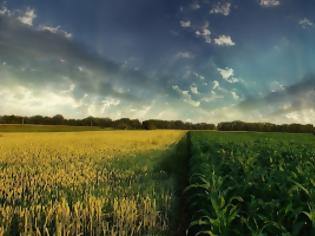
[123,123]
[265,127]
[126,123]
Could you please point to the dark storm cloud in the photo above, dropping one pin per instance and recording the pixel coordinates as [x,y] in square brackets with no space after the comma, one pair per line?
[35,62]
[42,58]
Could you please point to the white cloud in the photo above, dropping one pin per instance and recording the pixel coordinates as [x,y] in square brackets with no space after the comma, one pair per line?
[186,96]
[61,60]
[228,75]
[192,102]
[109,102]
[306,23]
[233,80]
[23,100]
[212,97]
[215,84]
[235,95]
[140,112]
[198,76]
[204,33]
[222,7]
[28,17]
[177,89]
[4,11]
[276,86]
[184,55]
[55,30]
[69,90]
[185,24]
[304,116]
[224,40]
[194,89]
[195,6]
[269,3]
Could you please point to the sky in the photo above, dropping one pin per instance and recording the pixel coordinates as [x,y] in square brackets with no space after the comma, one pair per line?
[193,60]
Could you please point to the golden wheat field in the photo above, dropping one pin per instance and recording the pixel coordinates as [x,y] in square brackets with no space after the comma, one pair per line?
[85,183]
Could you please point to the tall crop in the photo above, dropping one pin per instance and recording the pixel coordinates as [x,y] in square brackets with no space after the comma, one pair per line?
[90,183]
[251,185]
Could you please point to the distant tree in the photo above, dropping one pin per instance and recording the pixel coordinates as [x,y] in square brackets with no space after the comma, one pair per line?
[162,124]
[264,127]
[36,120]
[58,120]
[11,119]
[126,123]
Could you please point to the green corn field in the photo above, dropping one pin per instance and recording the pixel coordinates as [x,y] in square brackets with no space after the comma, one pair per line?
[251,184]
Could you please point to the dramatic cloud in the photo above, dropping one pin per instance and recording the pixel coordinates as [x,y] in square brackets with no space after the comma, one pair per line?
[269,3]
[286,103]
[158,59]
[35,61]
[221,7]
[306,23]
[45,73]
[224,40]
[228,75]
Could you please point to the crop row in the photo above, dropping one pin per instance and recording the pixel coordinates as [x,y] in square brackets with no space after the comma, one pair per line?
[250,185]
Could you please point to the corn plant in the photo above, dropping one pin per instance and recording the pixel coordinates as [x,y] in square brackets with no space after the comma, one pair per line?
[251,184]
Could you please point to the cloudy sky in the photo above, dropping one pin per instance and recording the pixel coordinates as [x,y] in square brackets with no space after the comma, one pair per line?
[195,60]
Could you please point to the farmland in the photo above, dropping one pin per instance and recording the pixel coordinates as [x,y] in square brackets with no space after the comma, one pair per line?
[251,184]
[86,183]
[156,183]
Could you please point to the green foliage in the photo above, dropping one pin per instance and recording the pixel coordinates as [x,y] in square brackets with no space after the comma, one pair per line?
[251,184]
